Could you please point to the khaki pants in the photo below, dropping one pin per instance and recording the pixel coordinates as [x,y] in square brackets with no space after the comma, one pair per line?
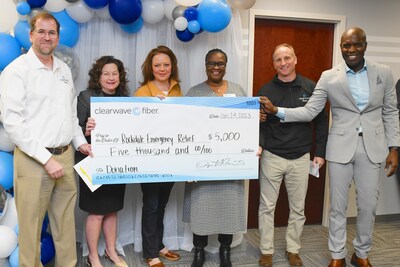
[273,169]
[36,193]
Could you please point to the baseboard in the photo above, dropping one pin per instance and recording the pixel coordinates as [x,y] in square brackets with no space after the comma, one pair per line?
[379,218]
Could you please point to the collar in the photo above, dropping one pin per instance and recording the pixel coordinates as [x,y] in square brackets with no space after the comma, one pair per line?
[154,89]
[348,70]
[295,82]
[37,64]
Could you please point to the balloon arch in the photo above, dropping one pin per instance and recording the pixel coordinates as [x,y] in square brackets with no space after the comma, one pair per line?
[190,17]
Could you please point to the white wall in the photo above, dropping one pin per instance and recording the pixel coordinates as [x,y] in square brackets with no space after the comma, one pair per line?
[380,20]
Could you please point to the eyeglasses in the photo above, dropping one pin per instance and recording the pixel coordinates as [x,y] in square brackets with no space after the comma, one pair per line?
[43,33]
[212,64]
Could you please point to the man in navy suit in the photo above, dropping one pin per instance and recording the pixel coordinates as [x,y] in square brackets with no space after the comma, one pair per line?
[363,135]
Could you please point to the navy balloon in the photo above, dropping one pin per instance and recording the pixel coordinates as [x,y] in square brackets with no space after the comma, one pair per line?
[47,249]
[133,27]
[69,29]
[45,224]
[125,11]
[96,4]
[10,49]
[213,16]
[191,13]
[184,36]
[36,3]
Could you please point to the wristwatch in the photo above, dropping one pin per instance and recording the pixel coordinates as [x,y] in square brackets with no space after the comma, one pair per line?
[394,147]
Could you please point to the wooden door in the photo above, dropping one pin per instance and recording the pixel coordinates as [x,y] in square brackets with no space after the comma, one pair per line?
[313,44]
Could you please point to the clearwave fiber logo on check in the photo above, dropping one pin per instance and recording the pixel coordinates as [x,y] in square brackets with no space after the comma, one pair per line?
[123,111]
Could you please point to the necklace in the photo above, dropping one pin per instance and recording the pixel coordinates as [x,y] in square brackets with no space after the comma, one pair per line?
[217,88]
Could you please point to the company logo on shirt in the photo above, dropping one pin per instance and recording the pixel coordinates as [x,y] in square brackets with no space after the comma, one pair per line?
[304,98]
[63,79]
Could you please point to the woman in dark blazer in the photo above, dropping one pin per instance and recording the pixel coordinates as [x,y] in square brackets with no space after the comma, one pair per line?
[107,79]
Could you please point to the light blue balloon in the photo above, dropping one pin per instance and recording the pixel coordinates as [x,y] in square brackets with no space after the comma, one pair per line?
[69,29]
[10,49]
[16,229]
[21,33]
[214,15]
[6,169]
[13,260]
[193,26]
[23,8]
[133,27]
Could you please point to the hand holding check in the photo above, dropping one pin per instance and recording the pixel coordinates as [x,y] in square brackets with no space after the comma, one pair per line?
[267,105]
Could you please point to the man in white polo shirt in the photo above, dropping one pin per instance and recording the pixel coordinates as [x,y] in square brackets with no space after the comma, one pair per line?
[38,107]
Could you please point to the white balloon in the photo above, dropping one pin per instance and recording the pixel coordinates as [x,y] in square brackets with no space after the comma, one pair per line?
[241,4]
[188,2]
[181,23]
[80,12]
[103,12]
[8,16]
[55,5]
[8,241]
[152,11]
[169,6]
[6,144]
[9,217]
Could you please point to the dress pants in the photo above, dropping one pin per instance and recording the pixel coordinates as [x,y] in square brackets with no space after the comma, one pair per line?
[36,193]
[366,179]
[202,240]
[273,170]
[155,199]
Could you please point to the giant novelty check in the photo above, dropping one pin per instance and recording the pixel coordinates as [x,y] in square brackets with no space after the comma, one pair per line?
[146,139]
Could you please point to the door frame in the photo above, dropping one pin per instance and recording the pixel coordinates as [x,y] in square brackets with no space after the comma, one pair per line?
[339,28]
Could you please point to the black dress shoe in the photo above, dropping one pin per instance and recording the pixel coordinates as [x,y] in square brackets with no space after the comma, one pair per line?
[199,257]
[225,256]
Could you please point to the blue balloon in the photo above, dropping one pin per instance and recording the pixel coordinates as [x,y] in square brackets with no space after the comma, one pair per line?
[45,224]
[125,11]
[133,27]
[69,29]
[96,4]
[194,26]
[21,33]
[16,229]
[13,260]
[10,49]
[213,15]
[191,13]
[6,169]
[47,249]
[23,8]
[36,3]
[184,36]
